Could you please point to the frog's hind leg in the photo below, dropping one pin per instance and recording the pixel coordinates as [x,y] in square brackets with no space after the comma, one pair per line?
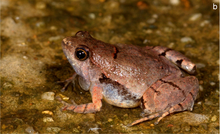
[185,105]
[177,58]
[169,96]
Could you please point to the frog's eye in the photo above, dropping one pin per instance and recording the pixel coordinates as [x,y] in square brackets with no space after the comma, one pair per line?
[81,54]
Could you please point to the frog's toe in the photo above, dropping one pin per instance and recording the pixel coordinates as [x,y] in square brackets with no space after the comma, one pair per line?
[58,98]
[68,81]
[150,117]
[68,107]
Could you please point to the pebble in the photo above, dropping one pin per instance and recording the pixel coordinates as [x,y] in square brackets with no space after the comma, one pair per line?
[30,130]
[48,96]
[126,115]
[195,17]
[152,125]
[187,128]
[94,130]
[186,40]
[155,16]
[214,118]
[199,103]
[201,88]
[212,83]
[40,5]
[53,129]
[75,130]
[7,85]
[110,120]
[175,2]
[47,112]
[192,119]
[151,21]
[53,28]
[200,65]
[65,98]
[205,22]
[54,38]
[48,119]
[91,15]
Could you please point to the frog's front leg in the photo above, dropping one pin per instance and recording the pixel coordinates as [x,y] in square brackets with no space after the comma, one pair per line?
[95,106]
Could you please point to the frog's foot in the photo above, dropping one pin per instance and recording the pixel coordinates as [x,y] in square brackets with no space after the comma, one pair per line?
[65,103]
[67,82]
[150,117]
[85,108]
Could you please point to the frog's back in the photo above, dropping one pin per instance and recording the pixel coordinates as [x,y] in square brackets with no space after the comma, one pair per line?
[134,67]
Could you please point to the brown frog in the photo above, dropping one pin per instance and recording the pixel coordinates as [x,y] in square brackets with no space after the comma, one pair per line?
[128,76]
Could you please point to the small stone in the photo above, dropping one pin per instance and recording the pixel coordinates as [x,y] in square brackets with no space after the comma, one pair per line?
[92,16]
[187,128]
[65,98]
[7,85]
[40,5]
[200,65]
[192,119]
[48,96]
[53,28]
[53,129]
[47,112]
[155,16]
[174,2]
[199,103]
[205,22]
[195,17]
[171,45]
[30,130]
[25,57]
[110,120]
[152,125]
[186,40]
[48,119]
[214,118]
[151,21]
[212,83]
[75,130]
[148,31]
[126,115]
[94,130]
[54,38]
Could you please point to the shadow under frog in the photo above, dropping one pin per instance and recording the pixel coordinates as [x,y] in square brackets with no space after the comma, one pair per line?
[128,76]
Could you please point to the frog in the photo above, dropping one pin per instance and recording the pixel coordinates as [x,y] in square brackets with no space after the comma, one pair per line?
[129,76]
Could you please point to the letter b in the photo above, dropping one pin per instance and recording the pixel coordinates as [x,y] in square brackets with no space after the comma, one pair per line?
[215,7]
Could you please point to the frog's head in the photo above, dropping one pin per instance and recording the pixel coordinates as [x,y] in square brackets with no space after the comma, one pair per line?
[87,55]
[77,52]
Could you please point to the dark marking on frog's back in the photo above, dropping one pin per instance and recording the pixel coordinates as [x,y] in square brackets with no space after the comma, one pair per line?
[115,52]
[164,53]
[179,62]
